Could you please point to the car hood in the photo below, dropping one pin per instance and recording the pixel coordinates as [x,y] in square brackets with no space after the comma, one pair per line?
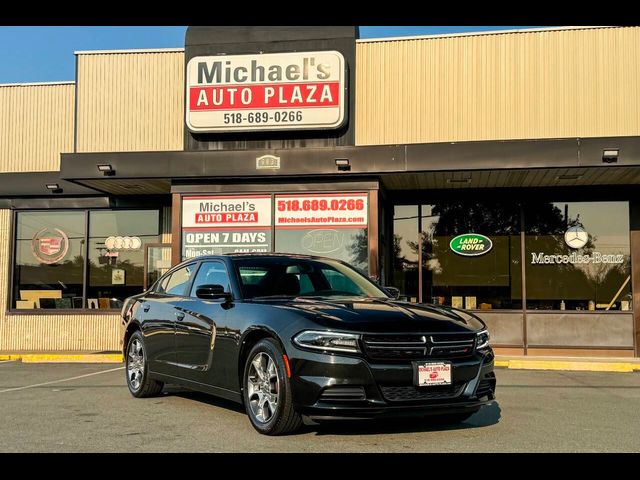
[371,315]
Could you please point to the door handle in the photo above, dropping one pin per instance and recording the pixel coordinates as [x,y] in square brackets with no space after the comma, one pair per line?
[180,316]
[146,307]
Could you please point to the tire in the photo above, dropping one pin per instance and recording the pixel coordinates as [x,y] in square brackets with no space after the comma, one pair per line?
[273,387]
[450,418]
[137,370]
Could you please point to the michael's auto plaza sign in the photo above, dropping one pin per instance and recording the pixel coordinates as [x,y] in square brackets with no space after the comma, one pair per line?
[279,91]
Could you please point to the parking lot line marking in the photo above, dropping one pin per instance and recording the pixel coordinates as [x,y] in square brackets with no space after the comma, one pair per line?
[59,381]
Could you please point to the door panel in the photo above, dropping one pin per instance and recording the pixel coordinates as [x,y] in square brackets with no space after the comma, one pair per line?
[197,321]
[196,330]
[159,324]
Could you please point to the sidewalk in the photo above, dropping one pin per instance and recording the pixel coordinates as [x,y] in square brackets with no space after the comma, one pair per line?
[63,357]
[587,364]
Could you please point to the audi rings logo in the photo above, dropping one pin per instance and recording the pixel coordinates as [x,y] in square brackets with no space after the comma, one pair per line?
[123,243]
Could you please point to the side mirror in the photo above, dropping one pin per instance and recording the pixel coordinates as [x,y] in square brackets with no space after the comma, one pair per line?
[212,292]
[393,291]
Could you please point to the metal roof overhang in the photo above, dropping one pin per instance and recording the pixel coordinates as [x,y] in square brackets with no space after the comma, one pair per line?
[482,164]
[17,189]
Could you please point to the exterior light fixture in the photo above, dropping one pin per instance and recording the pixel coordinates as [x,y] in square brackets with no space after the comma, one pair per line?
[343,164]
[54,187]
[106,169]
[610,155]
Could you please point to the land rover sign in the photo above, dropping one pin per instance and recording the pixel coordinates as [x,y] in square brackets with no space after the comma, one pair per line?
[471,244]
[274,91]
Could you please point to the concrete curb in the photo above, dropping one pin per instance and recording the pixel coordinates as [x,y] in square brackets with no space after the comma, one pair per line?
[568,365]
[65,358]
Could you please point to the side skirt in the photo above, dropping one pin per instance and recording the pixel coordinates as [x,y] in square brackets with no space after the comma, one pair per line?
[200,387]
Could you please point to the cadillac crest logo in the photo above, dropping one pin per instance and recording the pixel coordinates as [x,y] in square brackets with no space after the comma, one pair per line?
[49,245]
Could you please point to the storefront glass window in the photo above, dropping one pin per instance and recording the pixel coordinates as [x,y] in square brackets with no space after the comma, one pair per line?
[116,254]
[49,260]
[405,251]
[471,255]
[327,224]
[348,244]
[578,256]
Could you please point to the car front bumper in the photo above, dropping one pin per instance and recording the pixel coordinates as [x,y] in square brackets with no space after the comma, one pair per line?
[327,386]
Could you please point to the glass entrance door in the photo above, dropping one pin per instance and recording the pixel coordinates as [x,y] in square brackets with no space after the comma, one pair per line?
[157,261]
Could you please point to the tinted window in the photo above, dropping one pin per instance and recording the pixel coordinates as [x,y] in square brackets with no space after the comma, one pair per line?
[178,282]
[117,241]
[49,260]
[211,273]
[489,280]
[578,256]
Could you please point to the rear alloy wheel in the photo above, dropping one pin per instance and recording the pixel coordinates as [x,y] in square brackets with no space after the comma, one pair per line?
[267,391]
[138,381]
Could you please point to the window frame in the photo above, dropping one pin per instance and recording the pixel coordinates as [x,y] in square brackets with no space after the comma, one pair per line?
[13,230]
[169,274]
[200,265]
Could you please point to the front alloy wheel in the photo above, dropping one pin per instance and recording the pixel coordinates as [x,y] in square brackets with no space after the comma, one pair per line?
[267,390]
[263,387]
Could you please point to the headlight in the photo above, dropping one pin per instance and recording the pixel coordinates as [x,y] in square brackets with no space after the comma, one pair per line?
[482,340]
[328,341]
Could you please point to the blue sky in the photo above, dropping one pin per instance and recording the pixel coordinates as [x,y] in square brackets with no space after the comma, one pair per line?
[45,54]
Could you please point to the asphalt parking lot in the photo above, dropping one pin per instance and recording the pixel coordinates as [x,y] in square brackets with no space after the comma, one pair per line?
[87,408]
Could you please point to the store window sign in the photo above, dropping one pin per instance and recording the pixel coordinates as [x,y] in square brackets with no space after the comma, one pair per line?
[471,245]
[49,245]
[323,240]
[336,210]
[279,91]
[576,237]
[118,242]
[226,224]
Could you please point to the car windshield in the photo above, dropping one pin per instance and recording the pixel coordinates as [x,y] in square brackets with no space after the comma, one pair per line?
[262,277]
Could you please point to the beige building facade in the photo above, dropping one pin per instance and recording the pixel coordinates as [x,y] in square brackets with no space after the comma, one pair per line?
[526,138]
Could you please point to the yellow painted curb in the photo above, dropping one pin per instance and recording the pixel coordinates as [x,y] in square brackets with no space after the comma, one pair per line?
[73,358]
[9,357]
[624,367]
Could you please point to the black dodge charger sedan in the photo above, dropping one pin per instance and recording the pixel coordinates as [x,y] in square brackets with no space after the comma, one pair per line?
[293,335]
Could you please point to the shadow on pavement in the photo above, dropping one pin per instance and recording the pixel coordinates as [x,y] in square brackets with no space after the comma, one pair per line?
[487,416]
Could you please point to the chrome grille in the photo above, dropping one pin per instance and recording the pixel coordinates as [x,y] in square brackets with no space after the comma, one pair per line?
[416,346]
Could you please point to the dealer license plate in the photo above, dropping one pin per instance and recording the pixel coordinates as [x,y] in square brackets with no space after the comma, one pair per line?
[433,373]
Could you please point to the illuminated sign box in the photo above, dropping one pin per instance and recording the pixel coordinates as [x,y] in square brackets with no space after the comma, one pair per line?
[275,91]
